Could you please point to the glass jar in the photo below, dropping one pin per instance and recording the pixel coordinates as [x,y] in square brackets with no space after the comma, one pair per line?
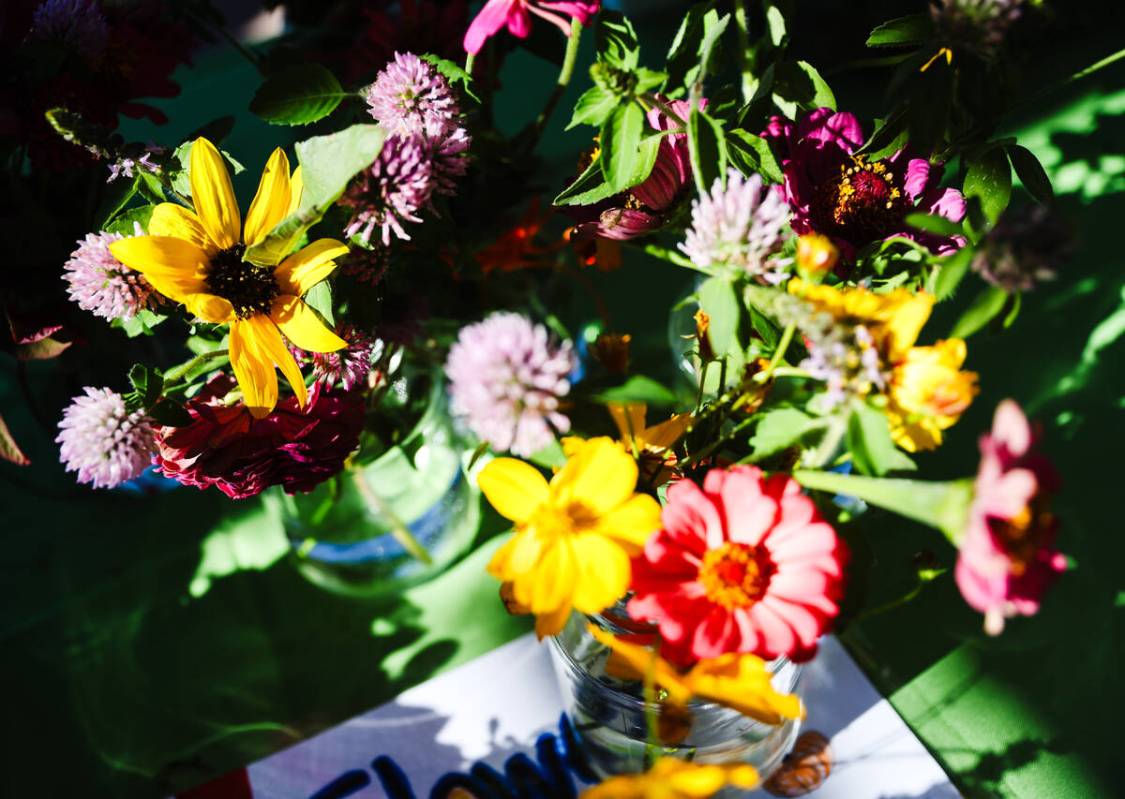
[395,522]
[609,715]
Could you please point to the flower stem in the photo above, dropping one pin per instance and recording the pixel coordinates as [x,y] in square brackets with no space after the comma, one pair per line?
[177,372]
[665,109]
[399,530]
[779,353]
[652,717]
[565,74]
[742,25]
[671,256]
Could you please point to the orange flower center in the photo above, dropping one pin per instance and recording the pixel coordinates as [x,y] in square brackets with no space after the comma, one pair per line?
[251,289]
[862,203]
[735,575]
[1023,535]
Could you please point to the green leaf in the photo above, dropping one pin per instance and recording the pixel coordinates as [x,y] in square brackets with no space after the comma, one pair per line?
[911,29]
[616,41]
[319,298]
[621,143]
[984,309]
[9,449]
[298,95]
[148,384]
[869,441]
[943,506]
[719,301]
[328,163]
[170,413]
[889,136]
[933,223]
[682,62]
[800,83]
[950,272]
[550,457]
[118,195]
[125,223]
[931,102]
[452,73]
[775,22]
[593,108]
[637,388]
[708,149]
[1031,173]
[588,188]
[139,325]
[751,153]
[714,27]
[989,178]
[780,429]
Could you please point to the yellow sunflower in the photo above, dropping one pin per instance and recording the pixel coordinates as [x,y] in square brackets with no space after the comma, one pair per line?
[196,258]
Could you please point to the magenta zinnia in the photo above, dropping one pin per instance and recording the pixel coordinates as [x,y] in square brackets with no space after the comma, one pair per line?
[102,440]
[101,284]
[516,15]
[506,380]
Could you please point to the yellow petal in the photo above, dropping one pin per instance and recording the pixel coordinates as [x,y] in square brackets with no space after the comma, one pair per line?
[213,196]
[555,578]
[516,489]
[906,322]
[271,203]
[302,326]
[296,188]
[210,308]
[665,434]
[308,266]
[252,368]
[629,418]
[633,522]
[603,572]
[174,267]
[600,476]
[552,623]
[170,219]
[275,350]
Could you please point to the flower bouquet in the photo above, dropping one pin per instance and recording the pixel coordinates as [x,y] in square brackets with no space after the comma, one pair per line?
[682,539]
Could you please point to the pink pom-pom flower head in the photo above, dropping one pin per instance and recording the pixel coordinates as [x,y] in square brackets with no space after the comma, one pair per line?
[745,564]
[1007,557]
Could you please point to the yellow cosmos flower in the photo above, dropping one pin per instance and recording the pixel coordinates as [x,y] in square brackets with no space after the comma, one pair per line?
[928,394]
[738,681]
[650,445]
[574,535]
[195,257]
[894,319]
[670,778]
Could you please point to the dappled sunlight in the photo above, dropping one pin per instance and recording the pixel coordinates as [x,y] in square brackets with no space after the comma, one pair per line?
[253,541]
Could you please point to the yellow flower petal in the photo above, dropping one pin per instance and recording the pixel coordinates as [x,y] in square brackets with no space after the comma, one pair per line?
[174,267]
[252,368]
[308,266]
[600,477]
[213,196]
[632,523]
[629,418]
[302,326]
[555,578]
[272,201]
[210,308]
[516,489]
[664,435]
[742,682]
[603,572]
[170,219]
[296,189]
[552,623]
[269,338]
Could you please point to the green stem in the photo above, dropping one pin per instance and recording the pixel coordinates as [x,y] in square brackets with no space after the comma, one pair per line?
[1097,65]
[399,530]
[719,442]
[652,717]
[565,74]
[470,62]
[779,353]
[177,372]
[671,256]
[664,109]
[742,25]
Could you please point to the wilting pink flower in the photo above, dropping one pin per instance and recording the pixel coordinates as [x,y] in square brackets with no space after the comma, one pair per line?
[346,368]
[226,447]
[506,379]
[392,191]
[1007,559]
[745,564]
[102,440]
[516,16]
[101,284]
[645,207]
[851,199]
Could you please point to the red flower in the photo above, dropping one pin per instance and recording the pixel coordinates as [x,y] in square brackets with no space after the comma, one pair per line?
[226,447]
[744,565]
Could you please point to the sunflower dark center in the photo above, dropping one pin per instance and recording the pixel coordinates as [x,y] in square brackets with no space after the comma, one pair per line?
[250,288]
[861,204]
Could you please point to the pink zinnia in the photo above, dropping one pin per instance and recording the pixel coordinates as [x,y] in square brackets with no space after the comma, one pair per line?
[516,15]
[1007,559]
[745,564]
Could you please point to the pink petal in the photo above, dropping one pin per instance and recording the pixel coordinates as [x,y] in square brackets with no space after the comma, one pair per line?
[800,620]
[690,516]
[583,11]
[917,178]
[1010,427]
[494,16]
[800,543]
[776,637]
[948,203]
[841,129]
[716,635]
[748,514]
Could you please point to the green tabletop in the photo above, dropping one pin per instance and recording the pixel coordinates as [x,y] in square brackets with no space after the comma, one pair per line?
[149,644]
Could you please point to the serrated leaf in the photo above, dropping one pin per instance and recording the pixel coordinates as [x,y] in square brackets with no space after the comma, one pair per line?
[719,301]
[588,188]
[593,108]
[125,224]
[870,444]
[616,41]
[452,73]
[9,449]
[147,383]
[989,178]
[298,95]
[911,29]
[984,309]
[1031,173]
[637,388]
[751,153]
[708,149]
[139,325]
[682,62]
[621,141]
